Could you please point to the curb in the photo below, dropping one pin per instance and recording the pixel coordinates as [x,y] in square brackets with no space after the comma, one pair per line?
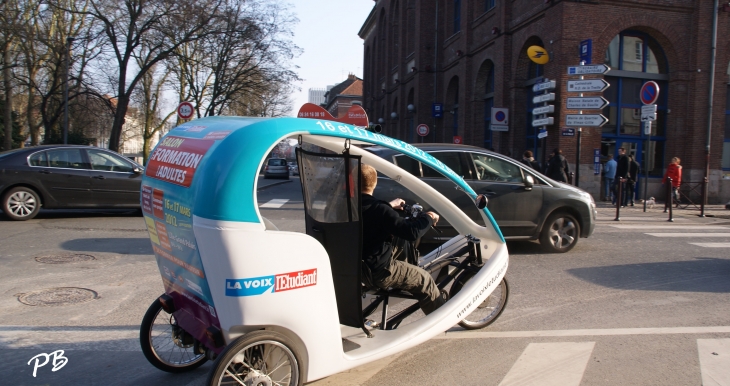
[273,184]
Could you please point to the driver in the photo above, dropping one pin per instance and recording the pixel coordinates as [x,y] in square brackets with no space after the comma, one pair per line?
[380,224]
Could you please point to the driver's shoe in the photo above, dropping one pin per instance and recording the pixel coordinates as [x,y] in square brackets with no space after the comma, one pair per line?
[431,306]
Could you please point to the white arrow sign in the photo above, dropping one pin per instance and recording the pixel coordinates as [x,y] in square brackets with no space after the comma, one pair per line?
[543,98]
[588,85]
[549,109]
[549,85]
[587,103]
[591,69]
[543,122]
[585,120]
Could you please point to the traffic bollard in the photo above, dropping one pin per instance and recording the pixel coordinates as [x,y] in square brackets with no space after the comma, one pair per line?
[571,177]
[668,192]
[619,198]
[704,197]
[670,200]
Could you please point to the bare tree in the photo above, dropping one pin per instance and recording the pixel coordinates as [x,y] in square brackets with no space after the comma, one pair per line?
[149,97]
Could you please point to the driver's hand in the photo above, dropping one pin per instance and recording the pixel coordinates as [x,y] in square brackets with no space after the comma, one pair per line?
[433,216]
[397,203]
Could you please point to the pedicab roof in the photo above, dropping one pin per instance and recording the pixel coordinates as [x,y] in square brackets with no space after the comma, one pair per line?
[230,152]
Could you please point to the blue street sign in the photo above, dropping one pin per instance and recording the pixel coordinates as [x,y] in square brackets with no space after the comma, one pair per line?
[586,50]
[568,132]
[437,110]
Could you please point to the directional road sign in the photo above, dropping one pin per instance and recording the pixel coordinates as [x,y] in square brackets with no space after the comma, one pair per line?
[649,93]
[586,70]
[543,122]
[586,103]
[549,85]
[549,109]
[544,98]
[585,120]
[542,134]
[587,85]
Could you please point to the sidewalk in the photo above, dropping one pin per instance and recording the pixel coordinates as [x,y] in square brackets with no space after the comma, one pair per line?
[713,213]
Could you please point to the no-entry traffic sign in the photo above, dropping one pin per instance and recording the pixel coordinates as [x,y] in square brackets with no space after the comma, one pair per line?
[185,110]
[458,140]
[422,130]
[649,93]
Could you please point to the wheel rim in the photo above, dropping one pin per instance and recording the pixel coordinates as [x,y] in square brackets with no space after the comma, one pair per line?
[264,363]
[22,204]
[563,233]
[167,345]
[490,308]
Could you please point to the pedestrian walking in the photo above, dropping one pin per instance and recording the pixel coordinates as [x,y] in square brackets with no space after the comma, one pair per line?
[622,171]
[557,168]
[609,175]
[674,171]
[634,170]
[529,160]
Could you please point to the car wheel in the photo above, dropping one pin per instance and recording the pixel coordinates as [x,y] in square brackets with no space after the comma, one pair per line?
[21,203]
[560,233]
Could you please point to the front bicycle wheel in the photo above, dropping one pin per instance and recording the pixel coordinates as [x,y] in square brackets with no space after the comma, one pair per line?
[258,358]
[165,345]
[488,310]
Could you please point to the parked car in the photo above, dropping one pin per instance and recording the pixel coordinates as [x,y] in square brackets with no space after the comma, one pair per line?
[525,204]
[276,167]
[66,176]
[293,168]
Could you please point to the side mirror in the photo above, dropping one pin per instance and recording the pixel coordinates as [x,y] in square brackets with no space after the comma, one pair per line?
[529,182]
[481,201]
[137,170]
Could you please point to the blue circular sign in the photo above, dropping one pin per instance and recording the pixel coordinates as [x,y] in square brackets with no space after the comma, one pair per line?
[500,116]
[649,93]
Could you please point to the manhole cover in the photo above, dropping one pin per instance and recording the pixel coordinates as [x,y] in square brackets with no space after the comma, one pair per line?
[62,296]
[65,258]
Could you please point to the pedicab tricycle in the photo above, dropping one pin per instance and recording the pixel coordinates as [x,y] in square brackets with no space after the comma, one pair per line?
[283,308]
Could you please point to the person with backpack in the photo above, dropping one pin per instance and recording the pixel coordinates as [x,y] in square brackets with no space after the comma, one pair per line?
[557,167]
[634,169]
[622,171]
[529,160]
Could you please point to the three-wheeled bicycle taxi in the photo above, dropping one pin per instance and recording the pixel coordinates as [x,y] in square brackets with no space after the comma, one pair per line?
[274,307]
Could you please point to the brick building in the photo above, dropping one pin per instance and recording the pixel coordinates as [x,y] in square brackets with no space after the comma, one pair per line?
[470,55]
[343,95]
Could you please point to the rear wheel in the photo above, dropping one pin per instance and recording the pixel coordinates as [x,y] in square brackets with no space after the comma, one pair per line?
[21,203]
[489,309]
[258,358]
[165,345]
[560,233]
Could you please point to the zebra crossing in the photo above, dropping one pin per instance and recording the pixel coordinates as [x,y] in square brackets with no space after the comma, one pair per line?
[689,233]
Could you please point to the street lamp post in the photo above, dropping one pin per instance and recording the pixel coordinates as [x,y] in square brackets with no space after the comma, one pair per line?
[65,91]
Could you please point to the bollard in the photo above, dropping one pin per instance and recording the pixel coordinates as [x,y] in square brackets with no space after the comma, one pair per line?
[670,192]
[618,198]
[571,180]
[704,197]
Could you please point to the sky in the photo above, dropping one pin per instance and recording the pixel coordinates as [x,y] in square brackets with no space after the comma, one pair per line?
[327,34]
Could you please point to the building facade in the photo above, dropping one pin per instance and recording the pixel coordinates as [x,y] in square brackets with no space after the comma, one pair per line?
[471,55]
[343,95]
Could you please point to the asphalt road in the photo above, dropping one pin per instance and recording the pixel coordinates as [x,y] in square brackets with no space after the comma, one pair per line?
[627,306]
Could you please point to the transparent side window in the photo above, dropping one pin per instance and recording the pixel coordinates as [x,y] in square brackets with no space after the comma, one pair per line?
[326,188]
[408,164]
[490,168]
[101,160]
[39,159]
[66,158]
[450,159]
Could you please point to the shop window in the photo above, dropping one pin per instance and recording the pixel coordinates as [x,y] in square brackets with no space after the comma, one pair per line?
[489,4]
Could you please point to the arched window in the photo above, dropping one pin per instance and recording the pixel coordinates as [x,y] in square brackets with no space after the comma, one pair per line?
[452,103]
[410,27]
[485,90]
[489,4]
[637,57]
[457,16]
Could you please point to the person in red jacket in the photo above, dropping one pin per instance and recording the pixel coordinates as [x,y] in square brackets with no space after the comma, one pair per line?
[674,171]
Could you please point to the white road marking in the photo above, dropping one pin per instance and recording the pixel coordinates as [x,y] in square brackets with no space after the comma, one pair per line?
[275,203]
[714,361]
[712,245]
[673,227]
[548,364]
[689,234]
[462,334]
[629,218]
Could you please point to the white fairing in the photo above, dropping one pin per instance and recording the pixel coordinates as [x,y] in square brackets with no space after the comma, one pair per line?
[235,250]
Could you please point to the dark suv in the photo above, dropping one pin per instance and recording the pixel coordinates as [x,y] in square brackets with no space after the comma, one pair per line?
[526,204]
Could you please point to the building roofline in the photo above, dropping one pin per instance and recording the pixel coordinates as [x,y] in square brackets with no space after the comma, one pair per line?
[369,24]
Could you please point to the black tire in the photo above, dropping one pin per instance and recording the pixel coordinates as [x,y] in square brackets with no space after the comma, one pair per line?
[177,351]
[489,309]
[255,348]
[21,203]
[560,233]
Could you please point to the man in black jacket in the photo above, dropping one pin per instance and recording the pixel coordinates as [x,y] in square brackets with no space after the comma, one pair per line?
[380,224]
[634,169]
[622,171]
[557,167]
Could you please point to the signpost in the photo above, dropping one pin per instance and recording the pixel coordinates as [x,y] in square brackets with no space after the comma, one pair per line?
[649,94]
[185,110]
[539,114]
[437,110]
[500,119]
[580,103]
[422,130]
